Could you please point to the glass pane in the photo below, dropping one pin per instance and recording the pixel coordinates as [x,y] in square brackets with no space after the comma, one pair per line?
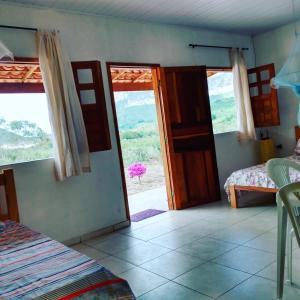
[87,97]
[85,76]
[252,78]
[266,89]
[254,91]
[25,132]
[264,75]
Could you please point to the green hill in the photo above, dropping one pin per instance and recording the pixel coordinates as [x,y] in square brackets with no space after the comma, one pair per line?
[10,138]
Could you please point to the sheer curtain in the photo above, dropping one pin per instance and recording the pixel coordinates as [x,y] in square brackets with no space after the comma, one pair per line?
[71,152]
[245,123]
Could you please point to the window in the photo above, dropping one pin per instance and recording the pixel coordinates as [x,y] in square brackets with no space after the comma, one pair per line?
[222,101]
[25,133]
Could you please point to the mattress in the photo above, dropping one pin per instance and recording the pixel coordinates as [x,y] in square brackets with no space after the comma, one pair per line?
[256,176]
[33,266]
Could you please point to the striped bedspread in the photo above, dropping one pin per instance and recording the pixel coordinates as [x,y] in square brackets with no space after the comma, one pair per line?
[33,266]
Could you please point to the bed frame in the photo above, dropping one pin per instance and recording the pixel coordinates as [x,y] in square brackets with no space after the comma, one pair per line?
[8,182]
[233,189]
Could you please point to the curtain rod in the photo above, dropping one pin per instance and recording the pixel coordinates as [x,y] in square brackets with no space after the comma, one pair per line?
[18,27]
[209,46]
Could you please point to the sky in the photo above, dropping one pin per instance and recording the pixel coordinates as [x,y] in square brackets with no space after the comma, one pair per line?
[29,107]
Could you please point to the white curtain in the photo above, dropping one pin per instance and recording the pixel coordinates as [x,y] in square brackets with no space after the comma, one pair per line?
[71,152]
[245,123]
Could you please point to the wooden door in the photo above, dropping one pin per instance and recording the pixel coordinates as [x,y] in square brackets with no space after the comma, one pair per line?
[188,135]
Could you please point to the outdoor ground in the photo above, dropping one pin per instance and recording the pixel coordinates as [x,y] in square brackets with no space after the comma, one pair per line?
[153,178]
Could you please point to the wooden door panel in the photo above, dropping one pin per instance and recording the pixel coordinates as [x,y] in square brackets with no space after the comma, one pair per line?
[180,181]
[188,89]
[196,177]
[264,100]
[189,136]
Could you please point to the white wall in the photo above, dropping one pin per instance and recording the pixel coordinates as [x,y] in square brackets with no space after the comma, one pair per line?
[80,205]
[274,47]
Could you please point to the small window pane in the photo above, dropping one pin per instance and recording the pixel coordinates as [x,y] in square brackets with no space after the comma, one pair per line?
[266,89]
[85,76]
[87,97]
[254,91]
[252,78]
[264,75]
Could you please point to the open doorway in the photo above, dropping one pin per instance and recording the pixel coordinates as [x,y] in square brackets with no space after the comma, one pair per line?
[134,102]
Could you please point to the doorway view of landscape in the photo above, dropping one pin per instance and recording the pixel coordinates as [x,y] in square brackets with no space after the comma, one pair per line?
[140,141]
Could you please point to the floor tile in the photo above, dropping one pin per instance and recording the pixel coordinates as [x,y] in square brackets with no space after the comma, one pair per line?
[172,264]
[97,240]
[141,253]
[266,242]
[206,248]
[270,272]
[257,288]
[246,259]
[237,234]
[151,231]
[211,279]
[173,291]
[142,281]
[89,251]
[115,265]
[178,238]
[117,244]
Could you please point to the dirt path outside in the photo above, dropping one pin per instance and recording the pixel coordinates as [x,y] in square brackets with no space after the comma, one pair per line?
[153,178]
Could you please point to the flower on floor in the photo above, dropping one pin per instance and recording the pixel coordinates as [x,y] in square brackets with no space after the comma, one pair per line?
[137,170]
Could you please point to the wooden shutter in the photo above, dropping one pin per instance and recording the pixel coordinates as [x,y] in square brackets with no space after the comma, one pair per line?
[264,99]
[89,85]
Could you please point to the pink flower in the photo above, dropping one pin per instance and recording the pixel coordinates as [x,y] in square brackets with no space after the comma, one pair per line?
[137,170]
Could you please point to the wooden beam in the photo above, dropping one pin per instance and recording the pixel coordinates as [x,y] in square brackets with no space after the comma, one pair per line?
[14,88]
[118,76]
[29,73]
[142,76]
[132,87]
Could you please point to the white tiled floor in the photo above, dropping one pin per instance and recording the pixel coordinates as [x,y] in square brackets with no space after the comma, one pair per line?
[151,199]
[207,252]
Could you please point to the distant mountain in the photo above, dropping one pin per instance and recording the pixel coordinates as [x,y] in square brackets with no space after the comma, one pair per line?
[11,140]
[136,108]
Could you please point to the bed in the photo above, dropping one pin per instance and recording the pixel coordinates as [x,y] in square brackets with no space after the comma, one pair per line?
[254,179]
[33,266]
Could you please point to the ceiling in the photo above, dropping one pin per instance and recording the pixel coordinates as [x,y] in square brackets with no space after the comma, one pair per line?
[242,16]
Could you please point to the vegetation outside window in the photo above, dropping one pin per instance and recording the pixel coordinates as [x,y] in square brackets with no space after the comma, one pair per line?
[222,101]
[25,133]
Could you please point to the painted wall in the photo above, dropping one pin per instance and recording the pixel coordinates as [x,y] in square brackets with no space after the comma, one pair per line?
[81,205]
[274,47]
